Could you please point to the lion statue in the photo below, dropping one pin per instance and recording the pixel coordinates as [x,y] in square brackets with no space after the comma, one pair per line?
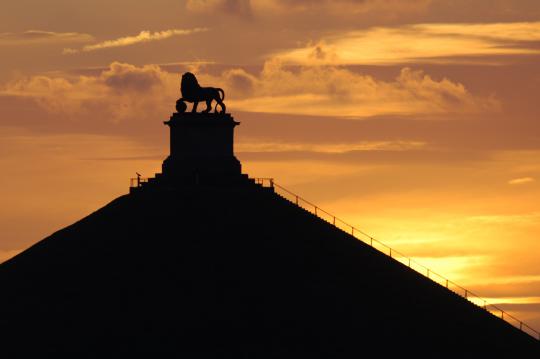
[193,92]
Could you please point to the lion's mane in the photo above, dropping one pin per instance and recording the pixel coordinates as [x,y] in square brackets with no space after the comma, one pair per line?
[190,87]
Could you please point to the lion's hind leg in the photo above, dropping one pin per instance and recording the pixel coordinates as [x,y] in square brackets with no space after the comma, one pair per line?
[208,106]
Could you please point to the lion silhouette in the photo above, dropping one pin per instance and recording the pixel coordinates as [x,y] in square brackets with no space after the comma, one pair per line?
[193,92]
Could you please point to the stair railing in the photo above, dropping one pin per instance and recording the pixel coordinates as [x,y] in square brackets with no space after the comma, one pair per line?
[398,256]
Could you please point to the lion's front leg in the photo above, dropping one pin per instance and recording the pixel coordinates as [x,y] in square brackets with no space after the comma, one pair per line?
[195,104]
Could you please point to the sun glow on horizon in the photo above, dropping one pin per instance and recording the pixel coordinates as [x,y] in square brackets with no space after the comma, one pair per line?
[415,121]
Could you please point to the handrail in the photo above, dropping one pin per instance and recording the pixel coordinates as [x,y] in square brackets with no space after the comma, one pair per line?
[263,180]
[400,257]
[137,182]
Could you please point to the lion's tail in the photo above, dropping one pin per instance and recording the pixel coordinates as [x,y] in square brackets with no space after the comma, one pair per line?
[222,93]
[220,102]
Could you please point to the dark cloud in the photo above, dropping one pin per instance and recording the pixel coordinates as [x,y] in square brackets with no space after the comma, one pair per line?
[509,289]
[33,36]
[124,77]
[516,307]
[500,132]
[234,7]
[319,2]
[380,157]
[242,7]
[240,81]
[483,10]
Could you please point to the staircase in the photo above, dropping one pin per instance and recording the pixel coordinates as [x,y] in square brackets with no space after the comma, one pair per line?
[337,222]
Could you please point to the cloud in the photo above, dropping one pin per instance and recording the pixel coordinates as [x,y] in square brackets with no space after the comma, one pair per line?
[514,31]
[337,91]
[143,36]
[126,77]
[484,10]
[522,180]
[525,219]
[240,81]
[419,43]
[337,9]
[328,148]
[501,285]
[38,36]
[234,7]
[122,91]
[347,7]
[125,90]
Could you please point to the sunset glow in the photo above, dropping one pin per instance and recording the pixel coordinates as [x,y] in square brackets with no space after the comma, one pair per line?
[416,122]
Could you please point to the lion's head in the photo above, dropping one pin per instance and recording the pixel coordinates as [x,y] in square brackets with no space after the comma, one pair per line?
[189,86]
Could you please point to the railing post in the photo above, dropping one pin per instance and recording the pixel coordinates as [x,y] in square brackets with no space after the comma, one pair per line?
[409,262]
[352,231]
[371,241]
[466,293]
[296,200]
[334,222]
[502,314]
[390,252]
[447,284]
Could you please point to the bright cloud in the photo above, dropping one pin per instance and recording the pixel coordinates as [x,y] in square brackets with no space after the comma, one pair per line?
[525,219]
[419,43]
[514,31]
[522,180]
[258,146]
[143,36]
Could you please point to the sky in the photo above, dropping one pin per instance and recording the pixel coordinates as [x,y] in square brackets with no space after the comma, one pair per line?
[416,121]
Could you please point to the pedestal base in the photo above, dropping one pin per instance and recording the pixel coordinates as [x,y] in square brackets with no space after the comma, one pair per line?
[202,149]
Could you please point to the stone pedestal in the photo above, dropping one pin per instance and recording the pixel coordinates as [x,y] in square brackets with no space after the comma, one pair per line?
[202,148]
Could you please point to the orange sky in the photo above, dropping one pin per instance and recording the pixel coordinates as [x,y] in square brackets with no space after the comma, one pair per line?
[416,121]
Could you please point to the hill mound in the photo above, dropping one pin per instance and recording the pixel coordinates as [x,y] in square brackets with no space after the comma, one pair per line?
[234,271]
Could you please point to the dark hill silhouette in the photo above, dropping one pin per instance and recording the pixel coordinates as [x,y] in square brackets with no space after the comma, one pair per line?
[231,271]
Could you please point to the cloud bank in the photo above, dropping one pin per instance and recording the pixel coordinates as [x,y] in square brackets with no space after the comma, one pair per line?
[337,91]
[313,90]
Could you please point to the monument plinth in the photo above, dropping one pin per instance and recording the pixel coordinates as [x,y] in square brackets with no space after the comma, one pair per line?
[201,148]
